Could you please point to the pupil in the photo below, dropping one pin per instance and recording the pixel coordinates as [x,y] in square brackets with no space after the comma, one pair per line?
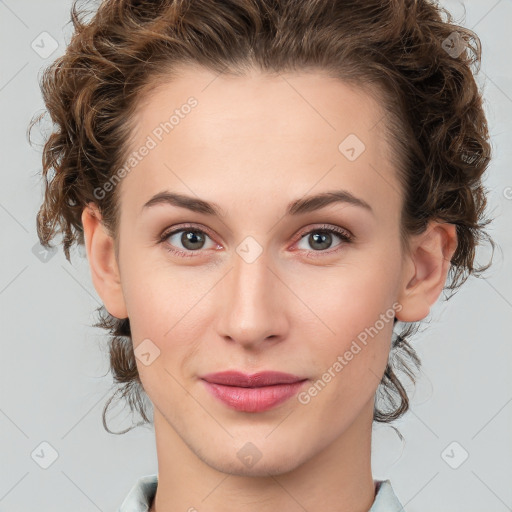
[323,238]
[191,237]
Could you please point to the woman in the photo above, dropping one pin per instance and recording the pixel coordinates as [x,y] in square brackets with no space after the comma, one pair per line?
[264,189]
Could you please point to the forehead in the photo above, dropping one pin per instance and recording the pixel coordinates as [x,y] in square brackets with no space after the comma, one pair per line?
[257,103]
[262,134]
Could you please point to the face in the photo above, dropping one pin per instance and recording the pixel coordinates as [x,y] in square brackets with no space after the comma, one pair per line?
[255,287]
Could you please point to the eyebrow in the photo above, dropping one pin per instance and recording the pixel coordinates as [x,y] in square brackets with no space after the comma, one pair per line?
[297,207]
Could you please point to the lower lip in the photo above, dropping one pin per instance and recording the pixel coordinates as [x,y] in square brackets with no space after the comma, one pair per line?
[254,399]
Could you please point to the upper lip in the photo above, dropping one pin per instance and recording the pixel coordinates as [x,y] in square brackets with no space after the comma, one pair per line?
[235,378]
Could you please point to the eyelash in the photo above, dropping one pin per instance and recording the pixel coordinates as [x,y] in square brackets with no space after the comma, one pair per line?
[344,235]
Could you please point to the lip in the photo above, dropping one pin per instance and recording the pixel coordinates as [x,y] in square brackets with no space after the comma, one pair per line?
[253,393]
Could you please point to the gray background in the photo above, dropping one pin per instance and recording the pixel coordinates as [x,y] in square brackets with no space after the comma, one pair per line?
[54,379]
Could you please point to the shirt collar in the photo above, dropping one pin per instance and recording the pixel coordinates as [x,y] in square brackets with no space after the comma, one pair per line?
[385,498]
[142,493]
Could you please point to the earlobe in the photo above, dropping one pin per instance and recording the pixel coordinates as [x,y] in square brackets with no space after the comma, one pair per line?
[102,262]
[426,270]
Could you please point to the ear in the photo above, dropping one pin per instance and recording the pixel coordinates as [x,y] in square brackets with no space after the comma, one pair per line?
[425,270]
[102,261]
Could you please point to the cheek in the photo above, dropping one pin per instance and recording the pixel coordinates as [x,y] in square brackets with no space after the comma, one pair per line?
[355,299]
[165,307]
[154,296]
[357,307]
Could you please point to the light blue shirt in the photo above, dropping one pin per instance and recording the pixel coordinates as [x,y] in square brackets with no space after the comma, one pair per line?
[142,493]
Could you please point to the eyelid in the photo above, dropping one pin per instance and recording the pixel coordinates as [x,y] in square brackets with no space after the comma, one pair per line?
[326,227]
[180,227]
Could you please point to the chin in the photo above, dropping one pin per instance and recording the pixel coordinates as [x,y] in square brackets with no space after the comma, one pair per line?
[247,461]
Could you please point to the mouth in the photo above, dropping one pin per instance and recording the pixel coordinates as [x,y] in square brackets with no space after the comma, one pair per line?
[253,393]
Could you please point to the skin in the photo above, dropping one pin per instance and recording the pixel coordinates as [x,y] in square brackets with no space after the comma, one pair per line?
[252,145]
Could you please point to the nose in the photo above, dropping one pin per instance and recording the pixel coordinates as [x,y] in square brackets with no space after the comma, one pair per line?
[252,304]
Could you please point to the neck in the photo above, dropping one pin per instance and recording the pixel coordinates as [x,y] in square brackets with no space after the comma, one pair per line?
[337,478]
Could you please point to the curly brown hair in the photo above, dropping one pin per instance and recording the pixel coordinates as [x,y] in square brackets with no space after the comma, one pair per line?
[408,54]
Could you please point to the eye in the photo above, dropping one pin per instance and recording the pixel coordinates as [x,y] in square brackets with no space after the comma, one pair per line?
[322,238]
[191,239]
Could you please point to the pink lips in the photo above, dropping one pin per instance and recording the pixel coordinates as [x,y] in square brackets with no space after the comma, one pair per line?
[252,393]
